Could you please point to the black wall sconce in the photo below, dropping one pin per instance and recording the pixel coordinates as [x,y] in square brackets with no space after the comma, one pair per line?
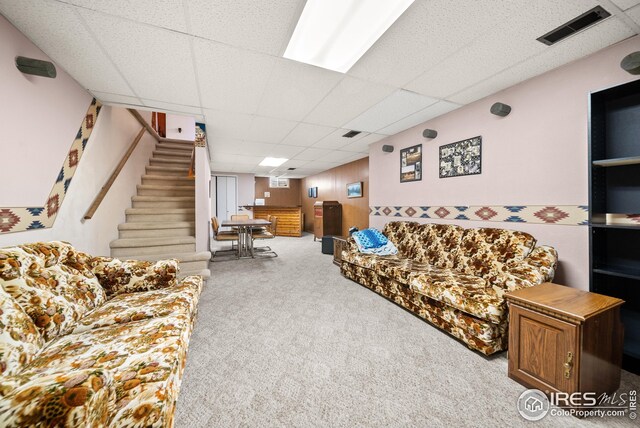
[36,67]
[429,133]
[631,63]
[500,109]
[387,148]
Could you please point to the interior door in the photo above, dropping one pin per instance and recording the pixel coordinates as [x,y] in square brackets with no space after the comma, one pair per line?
[226,197]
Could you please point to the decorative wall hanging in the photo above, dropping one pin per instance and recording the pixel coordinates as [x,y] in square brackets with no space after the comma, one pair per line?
[411,164]
[354,190]
[461,158]
[314,192]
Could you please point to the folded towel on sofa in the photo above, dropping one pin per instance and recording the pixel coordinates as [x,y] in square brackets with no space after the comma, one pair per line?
[372,241]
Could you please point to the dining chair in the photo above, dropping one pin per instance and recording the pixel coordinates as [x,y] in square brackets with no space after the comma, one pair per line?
[222,236]
[269,233]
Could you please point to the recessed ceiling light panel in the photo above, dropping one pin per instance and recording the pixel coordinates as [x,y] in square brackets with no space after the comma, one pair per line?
[334,34]
[273,161]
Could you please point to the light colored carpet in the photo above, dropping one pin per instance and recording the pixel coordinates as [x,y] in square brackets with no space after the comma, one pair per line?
[289,342]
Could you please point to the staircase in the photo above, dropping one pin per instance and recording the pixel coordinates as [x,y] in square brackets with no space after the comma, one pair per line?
[161,222]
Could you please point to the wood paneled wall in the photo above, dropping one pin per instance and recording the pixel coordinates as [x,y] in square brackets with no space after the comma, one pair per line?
[279,197]
[332,186]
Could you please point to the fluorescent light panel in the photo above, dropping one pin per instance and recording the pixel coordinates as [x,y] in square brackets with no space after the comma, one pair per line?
[334,34]
[273,161]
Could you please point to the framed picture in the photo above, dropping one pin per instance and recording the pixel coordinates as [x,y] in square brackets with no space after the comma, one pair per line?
[354,190]
[411,164]
[314,192]
[461,158]
[310,192]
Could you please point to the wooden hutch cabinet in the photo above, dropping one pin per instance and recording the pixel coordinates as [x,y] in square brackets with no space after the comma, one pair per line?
[327,219]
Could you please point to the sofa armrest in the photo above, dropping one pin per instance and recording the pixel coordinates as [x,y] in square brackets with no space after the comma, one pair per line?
[77,398]
[130,276]
[538,267]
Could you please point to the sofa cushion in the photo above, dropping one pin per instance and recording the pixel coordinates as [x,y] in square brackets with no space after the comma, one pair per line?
[53,298]
[145,357]
[124,308]
[437,244]
[129,276]
[468,293]
[484,251]
[403,235]
[400,269]
[20,341]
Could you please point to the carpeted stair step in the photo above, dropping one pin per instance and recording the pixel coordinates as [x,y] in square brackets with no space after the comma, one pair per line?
[180,162]
[153,190]
[134,215]
[175,141]
[168,180]
[133,248]
[171,154]
[188,261]
[157,229]
[176,171]
[204,273]
[163,201]
[183,148]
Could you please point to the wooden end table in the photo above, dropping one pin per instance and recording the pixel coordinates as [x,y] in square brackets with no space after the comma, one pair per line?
[339,244]
[564,340]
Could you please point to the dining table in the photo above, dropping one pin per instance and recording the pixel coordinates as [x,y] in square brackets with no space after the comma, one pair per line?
[245,233]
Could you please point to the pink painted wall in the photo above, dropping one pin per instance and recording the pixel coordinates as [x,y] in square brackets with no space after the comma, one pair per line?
[535,156]
[40,118]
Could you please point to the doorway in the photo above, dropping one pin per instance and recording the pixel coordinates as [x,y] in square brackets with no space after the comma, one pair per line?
[226,197]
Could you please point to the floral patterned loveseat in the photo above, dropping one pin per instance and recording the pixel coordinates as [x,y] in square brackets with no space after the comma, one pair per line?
[91,341]
[454,278]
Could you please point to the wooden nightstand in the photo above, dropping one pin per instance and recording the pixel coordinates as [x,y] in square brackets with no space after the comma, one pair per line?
[339,244]
[564,340]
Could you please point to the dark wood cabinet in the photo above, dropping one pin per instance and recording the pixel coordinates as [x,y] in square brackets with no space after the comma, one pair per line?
[327,219]
[614,205]
[564,340]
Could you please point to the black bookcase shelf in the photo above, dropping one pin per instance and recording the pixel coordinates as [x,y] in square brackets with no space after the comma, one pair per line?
[614,187]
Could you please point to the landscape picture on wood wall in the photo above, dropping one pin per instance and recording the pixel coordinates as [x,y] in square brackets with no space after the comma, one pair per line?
[411,164]
[461,158]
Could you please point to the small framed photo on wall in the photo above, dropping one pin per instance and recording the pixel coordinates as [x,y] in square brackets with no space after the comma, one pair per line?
[354,190]
[411,164]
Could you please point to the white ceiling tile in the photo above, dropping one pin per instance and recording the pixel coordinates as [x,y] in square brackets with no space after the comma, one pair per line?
[231,78]
[434,110]
[625,4]
[223,125]
[305,134]
[259,25]
[338,156]
[605,33]
[169,107]
[347,100]
[322,165]
[362,145]
[311,154]
[268,129]
[396,106]
[162,13]
[107,98]
[336,139]
[634,14]
[222,166]
[293,163]
[150,58]
[284,151]
[294,89]
[57,30]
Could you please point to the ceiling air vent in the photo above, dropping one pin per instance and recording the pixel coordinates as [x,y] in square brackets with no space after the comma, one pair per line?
[291,169]
[583,21]
[351,134]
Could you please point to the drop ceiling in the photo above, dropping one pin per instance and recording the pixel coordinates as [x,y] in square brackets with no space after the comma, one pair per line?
[221,61]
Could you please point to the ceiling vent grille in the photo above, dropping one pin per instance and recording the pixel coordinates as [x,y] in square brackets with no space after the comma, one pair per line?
[351,134]
[583,21]
[291,169]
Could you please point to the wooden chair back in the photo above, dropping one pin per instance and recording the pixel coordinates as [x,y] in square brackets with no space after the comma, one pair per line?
[236,217]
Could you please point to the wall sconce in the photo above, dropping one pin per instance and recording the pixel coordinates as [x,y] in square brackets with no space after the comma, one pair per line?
[500,109]
[429,133]
[631,63]
[36,67]
[387,148]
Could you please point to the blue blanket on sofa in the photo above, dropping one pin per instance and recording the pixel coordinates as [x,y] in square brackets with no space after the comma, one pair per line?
[372,241]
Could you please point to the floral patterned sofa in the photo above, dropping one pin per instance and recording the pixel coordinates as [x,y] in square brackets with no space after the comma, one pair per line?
[454,278]
[91,341]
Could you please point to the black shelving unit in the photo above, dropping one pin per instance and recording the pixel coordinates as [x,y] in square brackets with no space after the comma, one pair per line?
[614,188]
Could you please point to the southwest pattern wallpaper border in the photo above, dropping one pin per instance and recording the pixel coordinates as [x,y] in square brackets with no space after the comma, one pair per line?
[30,218]
[543,214]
